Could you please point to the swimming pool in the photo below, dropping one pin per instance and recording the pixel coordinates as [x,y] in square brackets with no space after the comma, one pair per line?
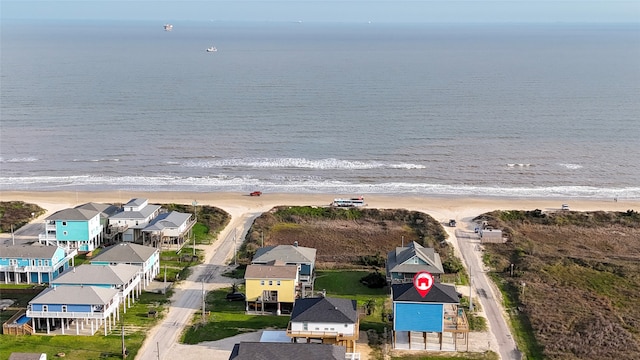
[23,319]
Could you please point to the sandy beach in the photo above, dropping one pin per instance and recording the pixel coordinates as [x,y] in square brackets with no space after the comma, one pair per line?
[441,208]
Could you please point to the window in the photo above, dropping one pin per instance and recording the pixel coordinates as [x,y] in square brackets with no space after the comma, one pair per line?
[45,308]
[13,262]
[262,282]
[39,262]
[305,326]
[64,308]
[278,282]
[270,282]
[46,263]
[64,223]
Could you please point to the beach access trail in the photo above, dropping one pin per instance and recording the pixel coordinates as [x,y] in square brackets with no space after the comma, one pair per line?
[161,341]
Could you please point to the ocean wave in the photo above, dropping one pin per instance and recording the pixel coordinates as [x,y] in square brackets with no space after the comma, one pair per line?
[571,166]
[18,160]
[303,185]
[97,160]
[300,163]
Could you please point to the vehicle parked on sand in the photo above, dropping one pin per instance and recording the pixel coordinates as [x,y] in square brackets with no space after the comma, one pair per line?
[565,207]
[452,223]
[256,193]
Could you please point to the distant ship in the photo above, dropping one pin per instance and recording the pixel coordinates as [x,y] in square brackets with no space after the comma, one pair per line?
[168,27]
[212,49]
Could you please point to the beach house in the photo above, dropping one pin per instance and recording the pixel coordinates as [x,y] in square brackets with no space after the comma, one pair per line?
[286,351]
[405,262]
[170,230]
[83,307]
[146,258]
[110,234]
[303,257]
[123,277]
[78,229]
[325,320]
[271,288]
[433,322]
[135,216]
[33,264]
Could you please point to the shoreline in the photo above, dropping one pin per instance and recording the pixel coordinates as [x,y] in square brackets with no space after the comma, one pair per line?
[440,207]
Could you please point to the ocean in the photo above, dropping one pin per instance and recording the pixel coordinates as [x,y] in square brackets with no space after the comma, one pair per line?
[508,110]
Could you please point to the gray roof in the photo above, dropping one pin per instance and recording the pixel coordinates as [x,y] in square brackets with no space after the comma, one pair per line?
[324,309]
[136,202]
[285,253]
[125,253]
[397,257]
[119,274]
[439,293]
[66,295]
[171,220]
[73,214]
[286,351]
[285,272]
[105,210]
[27,251]
[27,356]
[142,214]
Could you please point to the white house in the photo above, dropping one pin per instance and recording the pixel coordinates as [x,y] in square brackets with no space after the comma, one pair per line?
[135,216]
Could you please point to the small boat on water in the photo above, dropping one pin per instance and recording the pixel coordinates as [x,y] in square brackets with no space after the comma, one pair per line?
[168,27]
[212,49]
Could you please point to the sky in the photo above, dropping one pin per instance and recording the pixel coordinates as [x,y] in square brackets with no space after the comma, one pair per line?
[409,11]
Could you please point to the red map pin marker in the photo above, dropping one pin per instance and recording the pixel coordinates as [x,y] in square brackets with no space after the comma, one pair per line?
[423,281]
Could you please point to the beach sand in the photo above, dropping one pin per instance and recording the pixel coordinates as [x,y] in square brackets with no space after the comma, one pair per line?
[440,208]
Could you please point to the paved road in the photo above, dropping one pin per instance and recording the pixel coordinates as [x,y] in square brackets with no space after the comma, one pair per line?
[470,249]
[187,296]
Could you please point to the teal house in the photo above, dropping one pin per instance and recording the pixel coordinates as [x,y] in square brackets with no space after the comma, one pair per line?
[73,229]
[33,264]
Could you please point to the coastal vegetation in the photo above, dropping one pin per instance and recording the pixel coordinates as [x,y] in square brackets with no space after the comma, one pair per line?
[15,214]
[353,238]
[574,286]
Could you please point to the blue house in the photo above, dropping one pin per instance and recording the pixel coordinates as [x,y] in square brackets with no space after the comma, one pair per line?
[86,308]
[404,263]
[33,264]
[433,322]
[78,229]
[125,278]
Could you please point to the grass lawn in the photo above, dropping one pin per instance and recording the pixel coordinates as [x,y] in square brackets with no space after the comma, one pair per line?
[346,284]
[226,319]
[98,346]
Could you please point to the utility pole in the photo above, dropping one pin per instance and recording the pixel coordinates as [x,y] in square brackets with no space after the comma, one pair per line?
[195,219]
[13,238]
[470,293]
[124,349]
[165,279]
[158,347]
[262,236]
[511,270]
[402,240]
[235,248]
[203,302]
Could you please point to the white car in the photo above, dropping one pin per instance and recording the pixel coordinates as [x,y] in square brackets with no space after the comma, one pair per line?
[565,206]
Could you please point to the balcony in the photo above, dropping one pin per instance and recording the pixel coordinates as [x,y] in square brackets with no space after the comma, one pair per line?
[317,334]
[66,314]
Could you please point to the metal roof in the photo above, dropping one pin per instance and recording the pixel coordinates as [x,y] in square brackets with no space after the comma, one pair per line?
[82,295]
[286,253]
